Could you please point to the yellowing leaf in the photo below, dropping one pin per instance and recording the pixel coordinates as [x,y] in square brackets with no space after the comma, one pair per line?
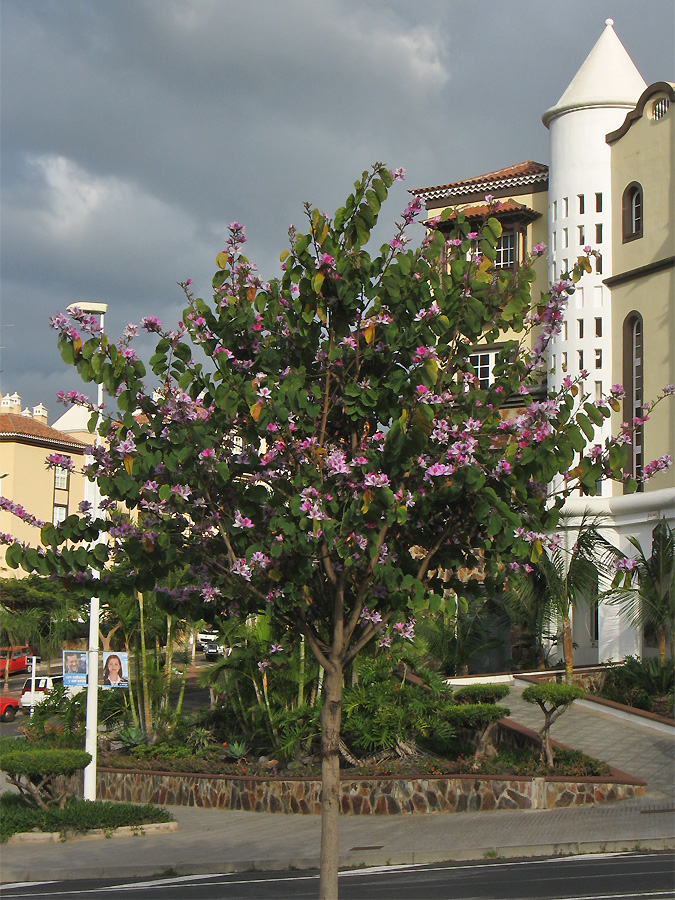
[222,259]
[128,463]
[250,294]
[284,255]
[616,406]
[537,550]
[317,281]
[256,409]
[369,333]
[77,346]
[574,390]
[367,497]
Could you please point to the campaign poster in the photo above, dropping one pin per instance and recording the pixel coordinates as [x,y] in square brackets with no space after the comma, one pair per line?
[115,670]
[74,668]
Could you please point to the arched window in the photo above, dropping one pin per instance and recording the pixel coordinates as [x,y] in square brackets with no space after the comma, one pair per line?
[633,383]
[632,212]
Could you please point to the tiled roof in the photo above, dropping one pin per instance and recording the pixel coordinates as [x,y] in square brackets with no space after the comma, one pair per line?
[519,175]
[508,209]
[27,430]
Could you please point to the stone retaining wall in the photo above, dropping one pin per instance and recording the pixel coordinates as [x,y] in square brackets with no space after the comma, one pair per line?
[387,795]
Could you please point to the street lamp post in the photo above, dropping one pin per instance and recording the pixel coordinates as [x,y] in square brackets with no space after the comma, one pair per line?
[91,727]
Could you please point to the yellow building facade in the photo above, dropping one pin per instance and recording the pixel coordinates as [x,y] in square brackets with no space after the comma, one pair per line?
[49,494]
[643,277]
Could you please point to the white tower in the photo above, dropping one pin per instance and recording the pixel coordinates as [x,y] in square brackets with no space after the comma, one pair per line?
[596,101]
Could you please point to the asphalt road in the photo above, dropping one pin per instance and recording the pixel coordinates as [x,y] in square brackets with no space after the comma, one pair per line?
[625,876]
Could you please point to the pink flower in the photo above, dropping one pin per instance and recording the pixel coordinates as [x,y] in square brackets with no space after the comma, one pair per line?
[242,521]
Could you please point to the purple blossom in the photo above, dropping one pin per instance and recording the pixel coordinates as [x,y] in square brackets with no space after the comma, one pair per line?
[58,460]
[242,521]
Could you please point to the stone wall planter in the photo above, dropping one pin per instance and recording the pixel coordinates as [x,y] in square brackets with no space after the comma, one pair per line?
[363,795]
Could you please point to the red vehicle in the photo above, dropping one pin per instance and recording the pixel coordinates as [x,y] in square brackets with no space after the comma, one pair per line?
[19,659]
[8,708]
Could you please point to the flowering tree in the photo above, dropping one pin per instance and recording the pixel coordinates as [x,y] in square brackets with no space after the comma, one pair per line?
[320,448]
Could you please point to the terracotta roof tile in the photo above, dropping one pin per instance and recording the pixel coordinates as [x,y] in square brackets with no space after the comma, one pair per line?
[23,428]
[519,175]
[508,210]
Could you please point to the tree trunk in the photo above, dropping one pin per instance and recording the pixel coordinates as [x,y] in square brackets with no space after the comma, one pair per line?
[147,711]
[661,644]
[331,715]
[568,649]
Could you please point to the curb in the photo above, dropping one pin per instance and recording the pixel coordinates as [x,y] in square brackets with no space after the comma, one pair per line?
[346,861]
[42,837]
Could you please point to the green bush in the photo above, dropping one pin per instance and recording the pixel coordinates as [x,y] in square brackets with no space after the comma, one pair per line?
[481,693]
[34,771]
[553,700]
[77,815]
[637,682]
[556,695]
[475,715]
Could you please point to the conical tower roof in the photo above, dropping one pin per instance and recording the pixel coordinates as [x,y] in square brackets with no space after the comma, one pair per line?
[607,77]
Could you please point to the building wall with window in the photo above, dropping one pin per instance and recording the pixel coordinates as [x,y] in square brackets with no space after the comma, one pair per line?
[609,132]
[520,195]
[25,442]
[642,282]
[581,209]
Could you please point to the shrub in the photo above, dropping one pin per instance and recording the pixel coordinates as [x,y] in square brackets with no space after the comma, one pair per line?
[553,700]
[77,815]
[35,772]
[481,693]
[638,682]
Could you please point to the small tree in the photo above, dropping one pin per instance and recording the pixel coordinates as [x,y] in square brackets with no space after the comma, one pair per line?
[553,700]
[562,577]
[39,774]
[650,605]
[320,447]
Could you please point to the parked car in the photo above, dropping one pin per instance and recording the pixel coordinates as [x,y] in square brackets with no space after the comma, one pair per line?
[203,638]
[19,658]
[8,708]
[44,685]
[212,650]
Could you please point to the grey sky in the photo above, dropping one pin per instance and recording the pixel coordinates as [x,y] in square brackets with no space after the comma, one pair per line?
[133,131]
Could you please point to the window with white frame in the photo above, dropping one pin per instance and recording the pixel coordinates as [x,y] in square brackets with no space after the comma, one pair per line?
[598,358]
[582,235]
[566,207]
[483,362]
[59,514]
[506,251]
[580,326]
[582,204]
[598,326]
[598,202]
[598,390]
[60,478]
[598,234]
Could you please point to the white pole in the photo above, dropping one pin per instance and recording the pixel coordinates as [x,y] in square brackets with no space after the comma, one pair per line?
[33,662]
[91,726]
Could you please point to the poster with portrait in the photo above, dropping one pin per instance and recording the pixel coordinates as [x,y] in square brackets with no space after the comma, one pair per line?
[74,668]
[115,670]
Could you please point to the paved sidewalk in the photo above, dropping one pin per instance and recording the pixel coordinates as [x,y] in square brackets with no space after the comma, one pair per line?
[634,746]
[212,841]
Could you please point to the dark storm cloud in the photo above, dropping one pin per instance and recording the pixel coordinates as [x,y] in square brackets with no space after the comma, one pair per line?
[134,131]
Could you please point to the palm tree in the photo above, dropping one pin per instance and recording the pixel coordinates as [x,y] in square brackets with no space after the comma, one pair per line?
[650,605]
[567,576]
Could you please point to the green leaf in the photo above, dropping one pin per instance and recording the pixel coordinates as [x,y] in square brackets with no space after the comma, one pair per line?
[586,426]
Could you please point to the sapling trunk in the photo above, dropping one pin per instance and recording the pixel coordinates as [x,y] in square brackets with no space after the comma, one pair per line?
[331,716]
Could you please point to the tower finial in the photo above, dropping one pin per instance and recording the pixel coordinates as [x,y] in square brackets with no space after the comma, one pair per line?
[609,21]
